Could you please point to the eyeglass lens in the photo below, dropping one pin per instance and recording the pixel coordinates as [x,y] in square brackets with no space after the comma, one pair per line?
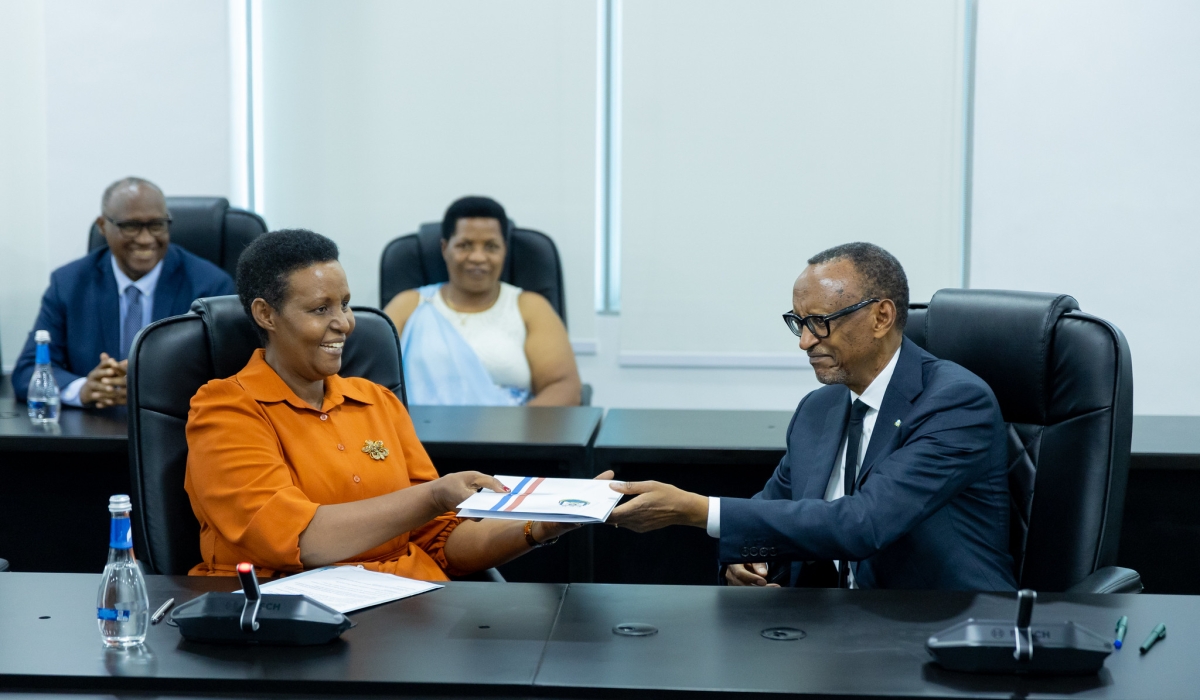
[129,229]
[817,325]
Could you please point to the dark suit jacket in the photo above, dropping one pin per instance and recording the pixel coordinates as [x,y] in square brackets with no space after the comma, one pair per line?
[83,314]
[931,504]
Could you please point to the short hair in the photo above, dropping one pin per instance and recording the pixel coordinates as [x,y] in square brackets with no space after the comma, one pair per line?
[473,207]
[264,266]
[130,181]
[880,272]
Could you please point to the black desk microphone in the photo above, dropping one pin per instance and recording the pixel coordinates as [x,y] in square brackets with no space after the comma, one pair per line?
[252,617]
[253,596]
[1007,646]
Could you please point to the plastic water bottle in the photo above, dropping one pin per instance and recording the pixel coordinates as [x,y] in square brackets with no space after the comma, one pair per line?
[43,390]
[122,607]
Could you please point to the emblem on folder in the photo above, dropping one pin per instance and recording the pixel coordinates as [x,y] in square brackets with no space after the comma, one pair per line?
[376,449]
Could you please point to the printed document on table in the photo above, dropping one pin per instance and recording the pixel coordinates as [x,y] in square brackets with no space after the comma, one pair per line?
[545,499]
[347,588]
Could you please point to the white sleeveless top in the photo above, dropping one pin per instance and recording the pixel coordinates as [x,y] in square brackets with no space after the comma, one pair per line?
[497,336]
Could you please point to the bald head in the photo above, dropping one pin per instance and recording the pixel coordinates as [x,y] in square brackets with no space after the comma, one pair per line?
[136,224]
[127,188]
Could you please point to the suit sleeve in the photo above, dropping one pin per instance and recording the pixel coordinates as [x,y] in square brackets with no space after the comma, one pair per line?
[779,486]
[208,280]
[51,317]
[947,450]
[222,285]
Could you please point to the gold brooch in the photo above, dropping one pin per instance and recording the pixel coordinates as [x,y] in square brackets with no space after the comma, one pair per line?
[376,449]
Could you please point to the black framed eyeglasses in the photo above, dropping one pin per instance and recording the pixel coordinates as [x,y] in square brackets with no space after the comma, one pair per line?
[818,324]
[131,228]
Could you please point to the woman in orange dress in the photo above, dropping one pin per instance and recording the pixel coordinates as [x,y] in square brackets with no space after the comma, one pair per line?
[293,467]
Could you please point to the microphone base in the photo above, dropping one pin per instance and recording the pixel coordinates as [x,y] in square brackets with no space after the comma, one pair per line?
[284,620]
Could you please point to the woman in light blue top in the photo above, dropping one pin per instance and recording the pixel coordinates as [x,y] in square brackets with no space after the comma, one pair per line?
[476,340]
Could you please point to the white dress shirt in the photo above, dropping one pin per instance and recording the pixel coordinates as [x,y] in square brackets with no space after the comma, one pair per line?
[146,285]
[872,396]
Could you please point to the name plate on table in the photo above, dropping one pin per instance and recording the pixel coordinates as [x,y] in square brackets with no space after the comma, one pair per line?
[544,499]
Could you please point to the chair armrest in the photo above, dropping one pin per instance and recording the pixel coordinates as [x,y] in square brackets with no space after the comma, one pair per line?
[1110,579]
[3,565]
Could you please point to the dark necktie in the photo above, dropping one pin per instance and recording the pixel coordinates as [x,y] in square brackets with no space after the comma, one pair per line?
[854,429]
[133,318]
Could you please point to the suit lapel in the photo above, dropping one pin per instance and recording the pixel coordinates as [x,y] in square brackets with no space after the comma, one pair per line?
[905,386]
[824,455]
[170,283]
[110,307]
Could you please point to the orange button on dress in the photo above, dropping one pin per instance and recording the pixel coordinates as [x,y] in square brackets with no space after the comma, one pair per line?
[261,460]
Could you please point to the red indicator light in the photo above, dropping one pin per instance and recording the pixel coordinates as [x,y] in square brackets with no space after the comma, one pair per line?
[245,567]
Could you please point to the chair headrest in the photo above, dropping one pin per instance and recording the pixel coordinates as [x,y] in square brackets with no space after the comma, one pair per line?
[231,335]
[1004,337]
[415,260]
[198,224]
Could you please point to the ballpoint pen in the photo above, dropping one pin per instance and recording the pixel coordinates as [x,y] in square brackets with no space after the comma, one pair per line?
[161,612]
[1121,624]
[1156,634]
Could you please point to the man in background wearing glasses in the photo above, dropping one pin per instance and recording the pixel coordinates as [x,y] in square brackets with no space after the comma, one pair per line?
[97,304]
[896,472]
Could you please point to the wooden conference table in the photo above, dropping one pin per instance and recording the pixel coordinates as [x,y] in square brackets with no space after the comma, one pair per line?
[556,640]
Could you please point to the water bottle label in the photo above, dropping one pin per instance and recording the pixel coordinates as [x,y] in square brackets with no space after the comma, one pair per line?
[115,614]
[120,536]
[37,405]
[41,356]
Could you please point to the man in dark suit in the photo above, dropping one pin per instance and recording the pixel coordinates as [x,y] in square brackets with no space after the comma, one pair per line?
[895,474]
[97,304]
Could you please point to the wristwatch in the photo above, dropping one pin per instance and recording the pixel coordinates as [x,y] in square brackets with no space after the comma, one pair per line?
[534,544]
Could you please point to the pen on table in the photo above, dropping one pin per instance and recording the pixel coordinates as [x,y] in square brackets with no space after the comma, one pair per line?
[1155,634]
[1121,624]
[161,612]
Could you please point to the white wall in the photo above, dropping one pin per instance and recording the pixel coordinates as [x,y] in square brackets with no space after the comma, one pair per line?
[1087,171]
[133,87]
[1087,150]
[755,134]
[101,89]
[23,246]
[379,114]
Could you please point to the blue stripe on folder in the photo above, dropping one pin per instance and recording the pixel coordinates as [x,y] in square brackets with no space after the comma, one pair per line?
[510,494]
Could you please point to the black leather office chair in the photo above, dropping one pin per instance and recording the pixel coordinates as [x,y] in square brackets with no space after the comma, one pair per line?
[416,260]
[1064,381]
[207,227]
[169,361]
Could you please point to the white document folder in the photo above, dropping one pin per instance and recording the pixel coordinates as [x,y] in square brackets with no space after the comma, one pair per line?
[545,499]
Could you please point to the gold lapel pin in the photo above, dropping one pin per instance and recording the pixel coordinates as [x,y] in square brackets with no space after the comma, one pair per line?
[376,449]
